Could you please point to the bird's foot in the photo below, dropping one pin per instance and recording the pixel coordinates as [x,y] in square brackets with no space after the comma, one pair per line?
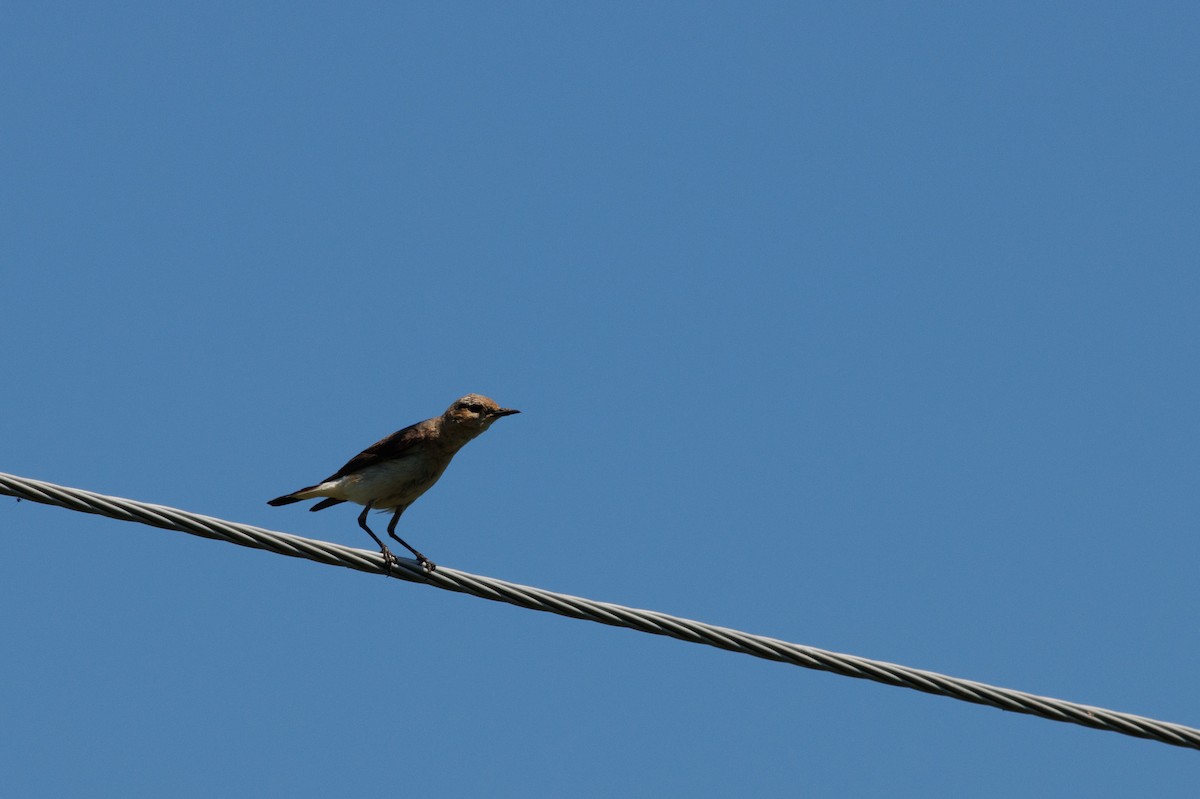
[389,560]
[426,564]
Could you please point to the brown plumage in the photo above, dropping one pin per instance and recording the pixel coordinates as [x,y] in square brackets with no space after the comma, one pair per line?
[393,472]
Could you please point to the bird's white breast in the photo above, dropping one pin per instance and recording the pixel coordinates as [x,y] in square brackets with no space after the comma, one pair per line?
[387,485]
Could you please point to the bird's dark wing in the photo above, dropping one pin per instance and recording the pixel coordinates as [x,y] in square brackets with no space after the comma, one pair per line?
[394,446]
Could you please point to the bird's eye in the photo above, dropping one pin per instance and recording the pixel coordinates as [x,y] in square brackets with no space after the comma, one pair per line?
[475,407]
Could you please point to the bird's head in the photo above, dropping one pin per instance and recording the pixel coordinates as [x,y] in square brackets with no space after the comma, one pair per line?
[475,412]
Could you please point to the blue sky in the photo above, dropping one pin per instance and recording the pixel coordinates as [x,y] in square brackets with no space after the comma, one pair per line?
[864,326]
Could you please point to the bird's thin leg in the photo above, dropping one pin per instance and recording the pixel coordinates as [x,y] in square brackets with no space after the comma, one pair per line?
[388,557]
[424,561]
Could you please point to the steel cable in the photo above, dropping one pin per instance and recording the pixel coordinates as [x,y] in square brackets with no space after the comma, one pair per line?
[603,612]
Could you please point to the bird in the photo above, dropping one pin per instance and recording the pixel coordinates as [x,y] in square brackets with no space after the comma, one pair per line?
[395,471]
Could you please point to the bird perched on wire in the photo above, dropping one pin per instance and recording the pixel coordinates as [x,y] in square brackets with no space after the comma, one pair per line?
[392,473]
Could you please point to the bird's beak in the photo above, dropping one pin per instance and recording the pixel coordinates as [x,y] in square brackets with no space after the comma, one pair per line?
[505,412]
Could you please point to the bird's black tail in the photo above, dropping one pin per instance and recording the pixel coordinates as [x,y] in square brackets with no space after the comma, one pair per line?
[288,499]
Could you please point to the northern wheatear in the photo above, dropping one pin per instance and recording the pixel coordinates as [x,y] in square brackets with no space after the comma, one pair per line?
[391,474]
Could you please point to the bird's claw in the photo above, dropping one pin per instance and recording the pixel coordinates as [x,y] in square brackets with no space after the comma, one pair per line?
[389,560]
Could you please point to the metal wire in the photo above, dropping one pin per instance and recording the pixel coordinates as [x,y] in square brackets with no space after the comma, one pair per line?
[603,612]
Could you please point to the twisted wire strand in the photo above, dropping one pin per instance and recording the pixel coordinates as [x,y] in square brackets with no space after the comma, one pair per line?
[646,621]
